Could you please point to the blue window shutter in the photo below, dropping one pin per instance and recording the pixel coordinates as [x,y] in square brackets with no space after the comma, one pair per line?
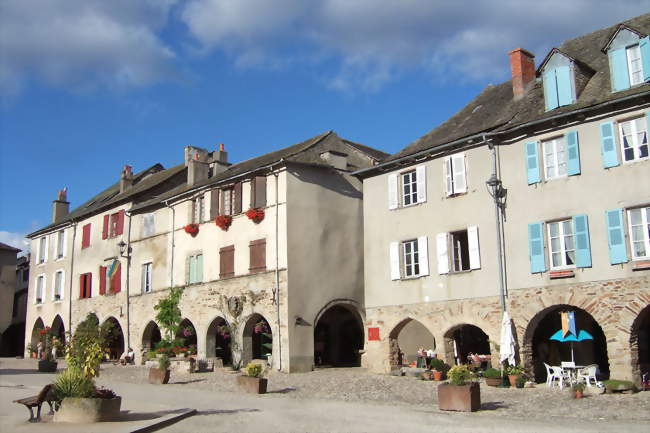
[618,66]
[573,150]
[644,46]
[536,247]
[532,162]
[550,89]
[608,145]
[583,248]
[616,236]
[563,79]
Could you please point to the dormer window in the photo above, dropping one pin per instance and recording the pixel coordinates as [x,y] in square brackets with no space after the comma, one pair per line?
[629,59]
[559,81]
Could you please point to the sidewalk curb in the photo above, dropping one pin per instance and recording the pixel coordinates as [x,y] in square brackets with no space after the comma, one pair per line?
[164,422]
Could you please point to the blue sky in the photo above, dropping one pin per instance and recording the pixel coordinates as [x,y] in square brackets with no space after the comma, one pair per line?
[87,86]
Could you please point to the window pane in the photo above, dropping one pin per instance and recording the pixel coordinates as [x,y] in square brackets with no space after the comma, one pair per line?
[639,249]
[635,216]
[557,259]
[568,243]
[554,229]
[567,227]
[570,257]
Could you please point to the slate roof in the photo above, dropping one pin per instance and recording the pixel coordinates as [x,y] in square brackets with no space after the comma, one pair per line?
[6,247]
[494,109]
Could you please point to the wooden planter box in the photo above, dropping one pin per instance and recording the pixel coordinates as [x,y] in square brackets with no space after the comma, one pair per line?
[465,398]
[158,376]
[493,381]
[88,410]
[252,385]
[45,366]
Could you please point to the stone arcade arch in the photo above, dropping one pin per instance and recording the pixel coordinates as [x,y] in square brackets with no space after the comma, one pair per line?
[114,337]
[338,337]
[38,325]
[187,332]
[257,341]
[463,339]
[537,347]
[405,339]
[640,345]
[151,336]
[58,329]
[217,342]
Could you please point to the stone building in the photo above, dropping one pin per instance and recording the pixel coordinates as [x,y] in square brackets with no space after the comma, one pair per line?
[534,197]
[269,252]
[8,262]
[13,338]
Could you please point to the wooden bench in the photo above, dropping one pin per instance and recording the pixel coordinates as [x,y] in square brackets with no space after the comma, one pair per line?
[37,401]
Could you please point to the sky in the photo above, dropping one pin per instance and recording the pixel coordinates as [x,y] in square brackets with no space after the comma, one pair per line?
[87,86]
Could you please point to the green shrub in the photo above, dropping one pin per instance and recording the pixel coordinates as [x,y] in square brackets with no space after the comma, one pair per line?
[151,355]
[253,369]
[439,365]
[163,362]
[514,370]
[578,386]
[521,381]
[72,382]
[618,385]
[492,373]
[460,374]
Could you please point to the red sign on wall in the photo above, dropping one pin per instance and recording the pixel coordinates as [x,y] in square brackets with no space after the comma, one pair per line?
[373,334]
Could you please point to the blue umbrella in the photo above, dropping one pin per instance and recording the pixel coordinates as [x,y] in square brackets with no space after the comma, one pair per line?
[582,335]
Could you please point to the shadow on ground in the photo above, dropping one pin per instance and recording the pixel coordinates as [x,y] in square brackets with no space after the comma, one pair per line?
[10,371]
[494,405]
[128,416]
[283,390]
[185,382]
[224,411]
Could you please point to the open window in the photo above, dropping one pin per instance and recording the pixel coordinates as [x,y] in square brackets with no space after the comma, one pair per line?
[458,251]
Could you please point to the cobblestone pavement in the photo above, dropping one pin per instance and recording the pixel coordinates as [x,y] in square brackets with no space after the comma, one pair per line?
[355,384]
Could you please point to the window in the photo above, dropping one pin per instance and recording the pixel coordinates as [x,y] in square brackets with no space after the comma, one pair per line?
[113,225]
[195,269]
[409,259]
[85,285]
[197,210]
[634,64]
[455,176]
[562,247]
[148,227]
[39,296]
[146,277]
[409,188]
[458,251]
[227,261]
[634,139]
[555,158]
[558,84]
[258,192]
[257,251]
[57,293]
[227,201]
[42,250]
[60,244]
[639,225]
[85,236]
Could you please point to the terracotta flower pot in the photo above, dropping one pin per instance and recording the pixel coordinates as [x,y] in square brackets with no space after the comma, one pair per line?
[493,381]
[45,366]
[252,385]
[464,398]
[158,376]
[437,375]
[513,379]
[577,394]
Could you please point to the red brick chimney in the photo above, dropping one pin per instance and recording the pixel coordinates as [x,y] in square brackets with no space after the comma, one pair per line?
[522,66]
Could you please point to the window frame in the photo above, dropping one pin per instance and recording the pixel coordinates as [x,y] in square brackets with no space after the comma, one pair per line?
[450,163]
[190,258]
[148,220]
[42,250]
[113,224]
[415,259]
[40,289]
[452,248]
[645,222]
[563,250]
[88,285]
[227,201]
[54,284]
[60,242]
[556,164]
[198,209]
[146,277]
[413,184]
[628,58]
[634,134]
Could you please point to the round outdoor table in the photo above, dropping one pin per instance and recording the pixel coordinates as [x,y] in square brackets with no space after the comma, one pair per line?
[573,372]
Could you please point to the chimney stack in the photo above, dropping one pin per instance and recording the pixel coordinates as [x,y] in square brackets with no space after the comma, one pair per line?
[219,160]
[60,206]
[522,66]
[196,160]
[126,178]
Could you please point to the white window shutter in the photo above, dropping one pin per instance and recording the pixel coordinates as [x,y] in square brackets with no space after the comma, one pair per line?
[449,181]
[423,253]
[474,254]
[394,261]
[460,178]
[392,191]
[443,258]
[421,177]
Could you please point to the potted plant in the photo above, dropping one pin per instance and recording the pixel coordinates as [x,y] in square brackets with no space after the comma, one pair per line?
[85,349]
[439,368]
[520,382]
[223,221]
[82,402]
[255,214]
[493,377]
[513,372]
[252,381]
[577,390]
[461,393]
[191,229]
[47,363]
[160,375]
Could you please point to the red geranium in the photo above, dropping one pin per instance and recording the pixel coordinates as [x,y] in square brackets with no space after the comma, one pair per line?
[255,214]
[191,229]
[223,221]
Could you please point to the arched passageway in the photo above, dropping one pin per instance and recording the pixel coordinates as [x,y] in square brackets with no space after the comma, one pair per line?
[405,340]
[640,344]
[257,339]
[463,340]
[151,336]
[36,334]
[187,333]
[338,337]
[539,349]
[113,338]
[218,341]
[58,331]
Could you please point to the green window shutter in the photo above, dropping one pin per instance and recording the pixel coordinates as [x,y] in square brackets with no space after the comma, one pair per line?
[616,236]
[199,268]
[536,247]
[192,261]
[583,248]
[564,87]
[644,46]
[550,89]
[573,151]
[532,162]
[618,67]
[608,145]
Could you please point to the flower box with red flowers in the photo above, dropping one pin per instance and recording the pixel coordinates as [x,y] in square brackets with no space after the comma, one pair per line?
[223,221]
[255,214]
[191,229]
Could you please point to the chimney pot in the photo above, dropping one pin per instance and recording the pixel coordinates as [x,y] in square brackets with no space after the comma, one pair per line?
[126,178]
[522,67]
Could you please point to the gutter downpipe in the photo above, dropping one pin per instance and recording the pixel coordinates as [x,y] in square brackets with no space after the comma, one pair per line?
[128,286]
[171,265]
[74,238]
[277,267]
[496,183]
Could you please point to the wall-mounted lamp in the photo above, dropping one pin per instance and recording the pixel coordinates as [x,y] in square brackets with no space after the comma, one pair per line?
[123,248]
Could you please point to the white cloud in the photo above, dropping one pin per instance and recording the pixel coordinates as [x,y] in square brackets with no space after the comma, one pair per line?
[16,240]
[83,43]
[372,42]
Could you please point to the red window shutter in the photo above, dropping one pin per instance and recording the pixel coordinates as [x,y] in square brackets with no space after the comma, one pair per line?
[237,206]
[105,228]
[89,285]
[82,285]
[102,280]
[120,222]
[257,256]
[214,204]
[85,238]
[117,280]
[227,261]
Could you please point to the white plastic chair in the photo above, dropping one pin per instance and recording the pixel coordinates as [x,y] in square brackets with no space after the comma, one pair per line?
[588,374]
[553,374]
[568,370]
